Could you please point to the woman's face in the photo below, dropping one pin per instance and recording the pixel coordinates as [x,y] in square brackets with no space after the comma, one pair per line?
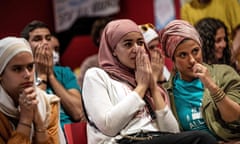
[18,74]
[220,43]
[186,55]
[236,49]
[154,44]
[126,48]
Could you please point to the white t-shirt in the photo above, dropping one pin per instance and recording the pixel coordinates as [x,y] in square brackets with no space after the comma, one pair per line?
[117,110]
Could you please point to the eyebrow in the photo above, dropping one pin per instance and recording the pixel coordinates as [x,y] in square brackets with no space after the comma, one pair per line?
[17,65]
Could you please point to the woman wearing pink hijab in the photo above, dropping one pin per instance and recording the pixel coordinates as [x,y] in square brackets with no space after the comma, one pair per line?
[203,97]
[123,102]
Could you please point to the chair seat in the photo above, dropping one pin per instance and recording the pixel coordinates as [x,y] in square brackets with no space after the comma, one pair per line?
[76,133]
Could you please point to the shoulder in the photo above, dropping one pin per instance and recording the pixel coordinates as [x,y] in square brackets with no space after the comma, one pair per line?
[218,68]
[62,68]
[91,58]
[223,72]
[97,75]
[96,72]
[91,61]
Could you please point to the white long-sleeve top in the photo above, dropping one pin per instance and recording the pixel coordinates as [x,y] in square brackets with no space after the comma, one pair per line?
[117,110]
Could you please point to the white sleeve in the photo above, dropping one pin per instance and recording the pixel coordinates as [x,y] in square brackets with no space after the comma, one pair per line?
[166,120]
[108,118]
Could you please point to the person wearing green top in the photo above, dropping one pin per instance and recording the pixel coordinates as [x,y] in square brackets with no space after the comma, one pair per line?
[203,97]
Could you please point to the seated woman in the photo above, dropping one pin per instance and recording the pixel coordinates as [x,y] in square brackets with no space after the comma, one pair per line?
[27,114]
[151,38]
[236,48]
[124,103]
[215,43]
[203,97]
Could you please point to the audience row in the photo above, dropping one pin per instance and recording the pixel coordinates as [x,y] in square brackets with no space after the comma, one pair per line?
[128,95]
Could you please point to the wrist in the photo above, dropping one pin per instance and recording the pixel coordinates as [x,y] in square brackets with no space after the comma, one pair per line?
[141,89]
[25,124]
[40,129]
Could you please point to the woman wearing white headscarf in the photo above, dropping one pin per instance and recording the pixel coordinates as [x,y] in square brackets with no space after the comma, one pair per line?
[27,114]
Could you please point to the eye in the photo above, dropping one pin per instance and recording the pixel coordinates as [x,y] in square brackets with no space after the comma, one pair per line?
[182,55]
[17,69]
[48,37]
[30,67]
[195,51]
[37,38]
[140,43]
[128,44]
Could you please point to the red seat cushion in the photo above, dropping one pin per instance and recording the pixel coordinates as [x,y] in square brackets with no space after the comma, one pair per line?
[76,133]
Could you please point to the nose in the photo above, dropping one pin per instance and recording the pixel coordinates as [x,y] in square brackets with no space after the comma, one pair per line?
[192,60]
[27,73]
[135,47]
[223,43]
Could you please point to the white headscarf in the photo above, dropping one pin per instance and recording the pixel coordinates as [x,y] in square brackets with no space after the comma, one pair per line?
[9,47]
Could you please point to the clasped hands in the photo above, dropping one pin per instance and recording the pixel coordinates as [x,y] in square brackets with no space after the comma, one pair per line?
[43,56]
[148,67]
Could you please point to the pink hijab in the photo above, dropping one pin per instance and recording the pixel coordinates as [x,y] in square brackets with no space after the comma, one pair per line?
[174,33]
[112,34]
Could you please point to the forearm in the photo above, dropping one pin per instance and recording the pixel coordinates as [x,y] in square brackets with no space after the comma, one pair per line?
[157,97]
[229,110]
[70,99]
[24,128]
[109,118]
[166,120]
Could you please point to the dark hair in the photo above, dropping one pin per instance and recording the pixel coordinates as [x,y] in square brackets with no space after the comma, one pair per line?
[97,29]
[32,26]
[207,29]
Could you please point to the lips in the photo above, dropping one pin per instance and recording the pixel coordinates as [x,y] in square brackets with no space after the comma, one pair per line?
[26,84]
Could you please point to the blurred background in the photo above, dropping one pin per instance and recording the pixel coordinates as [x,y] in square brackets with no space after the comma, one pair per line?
[71,20]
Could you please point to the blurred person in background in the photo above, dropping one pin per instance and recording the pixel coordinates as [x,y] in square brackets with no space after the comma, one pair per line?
[236,48]
[215,43]
[56,50]
[54,79]
[92,61]
[151,38]
[225,10]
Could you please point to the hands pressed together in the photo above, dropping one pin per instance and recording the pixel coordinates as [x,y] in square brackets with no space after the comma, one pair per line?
[148,71]
[43,56]
[29,113]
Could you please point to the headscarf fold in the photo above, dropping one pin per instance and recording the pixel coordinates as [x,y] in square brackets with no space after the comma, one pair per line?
[174,33]
[112,34]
